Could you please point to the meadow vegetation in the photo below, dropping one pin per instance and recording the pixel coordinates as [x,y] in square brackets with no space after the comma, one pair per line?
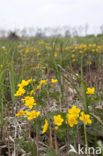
[51,95]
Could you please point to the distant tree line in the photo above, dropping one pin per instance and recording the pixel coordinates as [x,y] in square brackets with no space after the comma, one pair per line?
[65,31]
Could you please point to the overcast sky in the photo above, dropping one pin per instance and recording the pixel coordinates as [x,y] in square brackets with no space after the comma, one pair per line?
[43,13]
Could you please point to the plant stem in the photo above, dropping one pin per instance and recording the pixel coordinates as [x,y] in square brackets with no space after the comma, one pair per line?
[83,84]
[50,138]
[37,138]
[55,141]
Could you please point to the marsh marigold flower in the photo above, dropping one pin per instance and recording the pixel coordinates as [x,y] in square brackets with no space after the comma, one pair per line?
[54,80]
[26,50]
[90,91]
[29,101]
[58,120]
[23,83]
[20,113]
[56,128]
[32,115]
[74,111]
[42,82]
[92,98]
[20,92]
[73,114]
[72,119]
[85,118]
[55,54]
[32,92]
[45,128]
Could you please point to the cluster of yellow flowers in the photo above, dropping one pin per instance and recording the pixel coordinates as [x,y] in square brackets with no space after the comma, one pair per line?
[30,101]
[85,118]
[72,116]
[58,120]
[24,83]
[26,50]
[20,92]
[85,50]
[42,82]
[90,91]
[74,51]
[21,86]
[30,115]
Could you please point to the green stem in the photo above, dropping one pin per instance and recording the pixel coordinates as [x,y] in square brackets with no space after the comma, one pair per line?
[83,84]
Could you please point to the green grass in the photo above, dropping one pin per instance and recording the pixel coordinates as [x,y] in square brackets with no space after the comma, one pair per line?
[24,59]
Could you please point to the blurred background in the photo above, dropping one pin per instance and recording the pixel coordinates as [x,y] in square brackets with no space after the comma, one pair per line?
[45,18]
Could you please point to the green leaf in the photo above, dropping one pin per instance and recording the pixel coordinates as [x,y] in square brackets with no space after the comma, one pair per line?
[98,119]
[54,95]
[33,149]
[51,153]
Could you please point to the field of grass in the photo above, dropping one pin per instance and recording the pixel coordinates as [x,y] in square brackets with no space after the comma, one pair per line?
[51,96]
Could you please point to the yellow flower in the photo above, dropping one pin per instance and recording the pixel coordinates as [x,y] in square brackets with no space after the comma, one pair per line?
[41,42]
[38,54]
[42,82]
[29,101]
[85,118]
[89,62]
[32,115]
[23,83]
[34,80]
[45,128]
[20,92]
[81,51]
[32,92]
[90,91]
[56,128]
[58,120]
[20,113]
[26,50]
[73,55]
[55,54]
[75,111]
[74,60]
[38,66]
[72,119]
[92,98]
[73,50]
[19,46]
[54,80]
